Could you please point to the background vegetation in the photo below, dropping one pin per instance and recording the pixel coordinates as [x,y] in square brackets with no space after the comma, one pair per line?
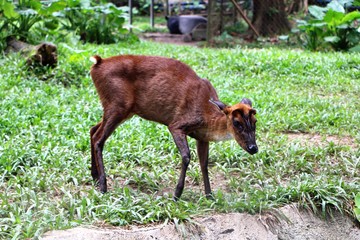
[333,25]
[45,180]
[34,21]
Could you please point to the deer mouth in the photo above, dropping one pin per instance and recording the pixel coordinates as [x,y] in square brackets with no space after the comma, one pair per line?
[252,149]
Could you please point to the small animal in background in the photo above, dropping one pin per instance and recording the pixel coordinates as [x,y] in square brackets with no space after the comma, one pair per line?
[169,92]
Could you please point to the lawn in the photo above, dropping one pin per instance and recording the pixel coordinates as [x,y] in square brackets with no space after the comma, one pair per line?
[45,181]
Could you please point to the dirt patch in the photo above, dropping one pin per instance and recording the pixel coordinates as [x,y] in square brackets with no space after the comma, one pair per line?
[287,223]
[169,38]
[319,140]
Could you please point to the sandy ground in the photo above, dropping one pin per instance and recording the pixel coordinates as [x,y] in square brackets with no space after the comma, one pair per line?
[287,223]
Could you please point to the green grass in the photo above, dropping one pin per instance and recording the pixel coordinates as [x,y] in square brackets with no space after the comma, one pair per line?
[45,181]
[141,24]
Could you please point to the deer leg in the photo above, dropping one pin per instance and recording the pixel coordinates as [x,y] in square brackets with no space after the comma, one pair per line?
[182,145]
[103,131]
[94,168]
[203,153]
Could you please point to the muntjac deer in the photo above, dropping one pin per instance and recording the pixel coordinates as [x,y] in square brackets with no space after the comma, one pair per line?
[166,91]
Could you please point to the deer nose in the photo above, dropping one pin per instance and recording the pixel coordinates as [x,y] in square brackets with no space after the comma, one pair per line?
[252,149]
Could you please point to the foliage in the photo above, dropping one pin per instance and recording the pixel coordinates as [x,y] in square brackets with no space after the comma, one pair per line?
[96,23]
[27,19]
[237,28]
[331,25]
[141,25]
[357,206]
[45,181]
[33,21]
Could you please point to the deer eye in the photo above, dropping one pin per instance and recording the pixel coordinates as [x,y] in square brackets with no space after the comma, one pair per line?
[237,125]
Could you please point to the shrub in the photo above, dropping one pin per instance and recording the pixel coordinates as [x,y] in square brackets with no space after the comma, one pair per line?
[25,19]
[331,25]
[32,21]
[101,23]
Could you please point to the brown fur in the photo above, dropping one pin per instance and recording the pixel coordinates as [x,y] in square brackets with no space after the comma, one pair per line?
[169,92]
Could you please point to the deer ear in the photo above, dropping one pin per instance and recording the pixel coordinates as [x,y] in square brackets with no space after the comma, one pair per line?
[218,104]
[246,101]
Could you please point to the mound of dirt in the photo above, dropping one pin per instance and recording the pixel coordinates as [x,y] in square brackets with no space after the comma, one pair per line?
[287,223]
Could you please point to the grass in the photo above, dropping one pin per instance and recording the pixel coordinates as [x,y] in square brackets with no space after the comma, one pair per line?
[141,24]
[45,181]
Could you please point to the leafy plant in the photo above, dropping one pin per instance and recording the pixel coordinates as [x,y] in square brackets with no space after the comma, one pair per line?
[357,206]
[101,23]
[332,25]
[21,19]
[32,20]
[313,33]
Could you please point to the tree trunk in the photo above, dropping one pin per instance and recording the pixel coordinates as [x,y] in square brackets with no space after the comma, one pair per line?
[43,54]
[296,6]
[269,17]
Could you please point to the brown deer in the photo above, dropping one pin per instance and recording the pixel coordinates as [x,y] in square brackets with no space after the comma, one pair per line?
[166,91]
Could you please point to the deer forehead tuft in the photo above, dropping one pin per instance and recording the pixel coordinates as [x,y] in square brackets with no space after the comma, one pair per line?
[244,109]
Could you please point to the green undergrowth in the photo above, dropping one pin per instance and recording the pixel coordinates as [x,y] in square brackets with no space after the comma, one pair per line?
[45,181]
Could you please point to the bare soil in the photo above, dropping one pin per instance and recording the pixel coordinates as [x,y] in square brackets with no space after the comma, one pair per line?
[287,223]
[321,141]
[169,38]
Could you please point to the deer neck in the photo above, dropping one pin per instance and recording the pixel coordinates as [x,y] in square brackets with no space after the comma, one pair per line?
[214,129]
[218,129]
